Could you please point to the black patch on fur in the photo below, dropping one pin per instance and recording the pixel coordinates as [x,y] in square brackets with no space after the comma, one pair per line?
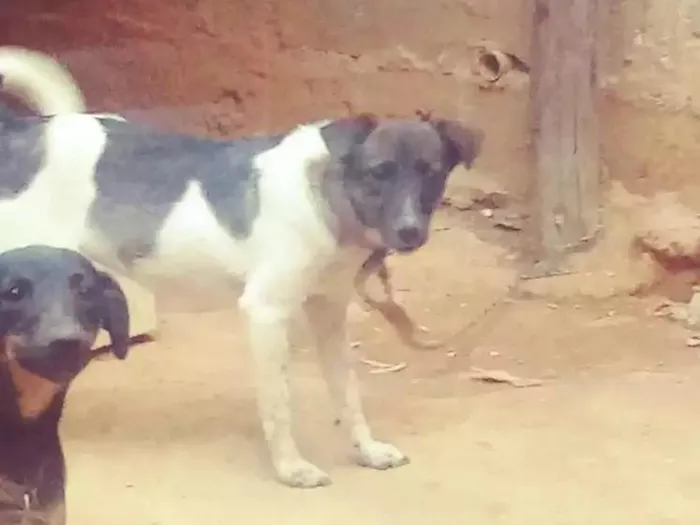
[22,151]
[144,173]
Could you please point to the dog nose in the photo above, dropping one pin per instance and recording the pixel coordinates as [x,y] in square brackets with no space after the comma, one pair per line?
[409,235]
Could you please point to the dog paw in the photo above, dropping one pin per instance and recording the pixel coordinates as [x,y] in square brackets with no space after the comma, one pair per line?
[300,473]
[380,456]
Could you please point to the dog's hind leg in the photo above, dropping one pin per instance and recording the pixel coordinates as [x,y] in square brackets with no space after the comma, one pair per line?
[327,320]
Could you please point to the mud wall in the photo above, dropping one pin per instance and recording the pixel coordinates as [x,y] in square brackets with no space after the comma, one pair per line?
[230,67]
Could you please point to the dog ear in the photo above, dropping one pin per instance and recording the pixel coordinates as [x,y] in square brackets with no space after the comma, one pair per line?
[463,144]
[114,315]
[342,135]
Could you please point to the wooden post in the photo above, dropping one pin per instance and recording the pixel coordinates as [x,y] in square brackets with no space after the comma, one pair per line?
[565,125]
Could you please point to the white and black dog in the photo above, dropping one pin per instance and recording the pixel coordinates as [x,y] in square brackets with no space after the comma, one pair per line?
[291,217]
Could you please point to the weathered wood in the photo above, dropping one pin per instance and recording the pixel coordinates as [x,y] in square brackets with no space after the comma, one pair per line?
[565,124]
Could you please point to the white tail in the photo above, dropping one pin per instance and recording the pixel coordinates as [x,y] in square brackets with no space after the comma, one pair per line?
[40,81]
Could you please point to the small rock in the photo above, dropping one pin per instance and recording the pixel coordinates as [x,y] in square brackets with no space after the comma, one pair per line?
[693,341]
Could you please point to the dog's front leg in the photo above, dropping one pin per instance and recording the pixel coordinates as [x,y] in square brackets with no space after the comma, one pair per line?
[268,322]
[327,319]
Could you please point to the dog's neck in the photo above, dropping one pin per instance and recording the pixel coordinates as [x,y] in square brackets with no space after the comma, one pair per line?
[339,214]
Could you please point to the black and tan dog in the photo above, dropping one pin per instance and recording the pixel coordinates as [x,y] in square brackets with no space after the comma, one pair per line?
[53,302]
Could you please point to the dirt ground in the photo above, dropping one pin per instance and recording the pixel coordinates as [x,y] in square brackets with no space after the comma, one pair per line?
[171,436]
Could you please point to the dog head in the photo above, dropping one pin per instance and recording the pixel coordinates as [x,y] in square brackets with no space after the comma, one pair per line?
[394,172]
[53,302]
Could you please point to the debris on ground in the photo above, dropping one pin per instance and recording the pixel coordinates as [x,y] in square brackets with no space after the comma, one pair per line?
[495,206]
[685,313]
[671,310]
[693,341]
[501,376]
[377,367]
[508,220]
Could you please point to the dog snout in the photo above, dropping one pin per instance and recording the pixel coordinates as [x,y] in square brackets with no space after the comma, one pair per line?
[61,335]
[410,227]
[409,235]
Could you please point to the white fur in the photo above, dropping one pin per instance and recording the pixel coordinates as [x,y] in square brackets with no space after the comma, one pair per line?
[291,263]
[40,80]
[53,209]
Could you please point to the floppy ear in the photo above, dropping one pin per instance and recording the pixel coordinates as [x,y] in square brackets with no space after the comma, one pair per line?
[114,315]
[342,135]
[462,144]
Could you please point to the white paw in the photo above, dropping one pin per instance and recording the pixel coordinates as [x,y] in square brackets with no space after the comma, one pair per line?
[299,473]
[380,456]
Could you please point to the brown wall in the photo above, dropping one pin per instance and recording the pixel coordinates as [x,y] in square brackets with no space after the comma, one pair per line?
[239,66]
[229,67]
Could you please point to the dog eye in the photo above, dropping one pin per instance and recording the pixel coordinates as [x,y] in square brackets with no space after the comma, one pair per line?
[80,286]
[15,293]
[422,167]
[383,171]
[84,291]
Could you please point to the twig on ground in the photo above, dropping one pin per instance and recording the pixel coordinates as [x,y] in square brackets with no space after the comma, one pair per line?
[383,368]
[501,376]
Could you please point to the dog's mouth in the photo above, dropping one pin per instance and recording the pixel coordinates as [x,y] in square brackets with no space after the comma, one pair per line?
[406,249]
[403,245]
[59,362]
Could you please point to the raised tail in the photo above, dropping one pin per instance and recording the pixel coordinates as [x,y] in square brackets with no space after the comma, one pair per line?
[40,81]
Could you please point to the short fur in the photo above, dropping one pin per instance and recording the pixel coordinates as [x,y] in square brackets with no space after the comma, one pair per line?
[52,304]
[291,217]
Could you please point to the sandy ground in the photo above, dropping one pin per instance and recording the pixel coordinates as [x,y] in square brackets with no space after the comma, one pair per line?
[171,437]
